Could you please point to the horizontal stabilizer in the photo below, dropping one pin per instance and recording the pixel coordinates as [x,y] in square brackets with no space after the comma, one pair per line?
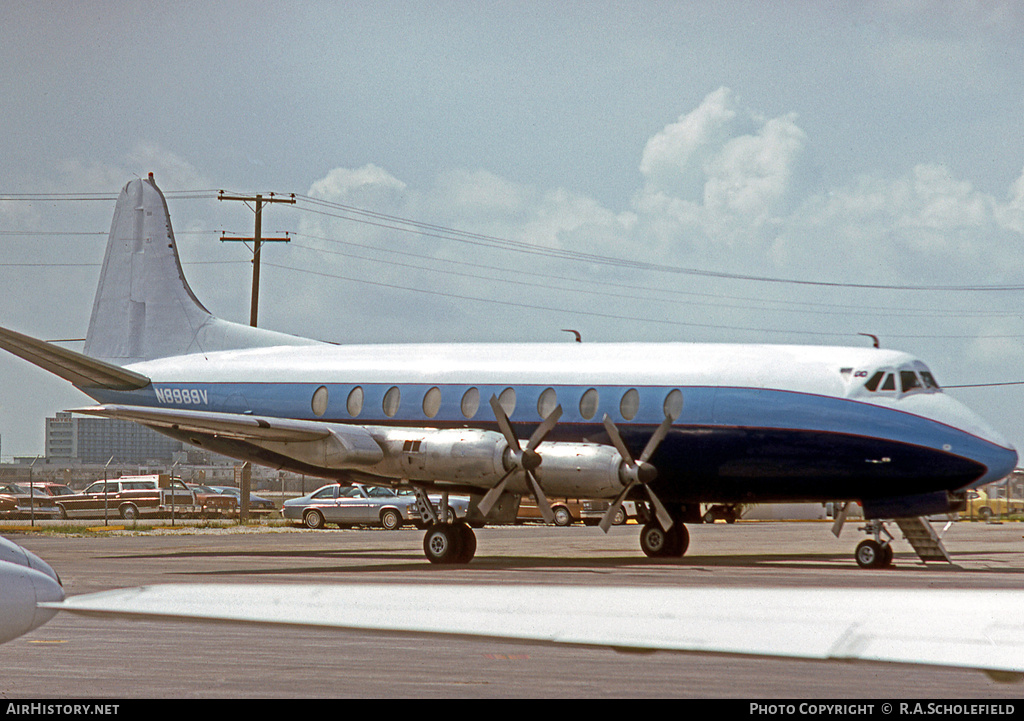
[889,625]
[83,371]
[329,445]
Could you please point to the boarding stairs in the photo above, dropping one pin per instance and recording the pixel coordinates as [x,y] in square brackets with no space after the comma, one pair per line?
[920,534]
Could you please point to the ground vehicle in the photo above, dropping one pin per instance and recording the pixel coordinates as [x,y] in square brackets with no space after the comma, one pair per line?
[132,497]
[257,504]
[359,505]
[594,509]
[27,501]
[989,501]
[52,489]
[567,510]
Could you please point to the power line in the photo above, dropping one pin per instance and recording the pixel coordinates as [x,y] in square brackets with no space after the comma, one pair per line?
[407,225]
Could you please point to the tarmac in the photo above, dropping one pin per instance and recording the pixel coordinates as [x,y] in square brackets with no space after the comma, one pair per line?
[81,658]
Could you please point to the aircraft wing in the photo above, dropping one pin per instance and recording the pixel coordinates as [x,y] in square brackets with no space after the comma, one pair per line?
[959,628]
[331,445]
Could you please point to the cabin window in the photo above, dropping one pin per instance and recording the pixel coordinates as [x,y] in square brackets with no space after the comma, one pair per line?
[588,404]
[391,400]
[547,402]
[354,404]
[432,402]
[507,401]
[673,406]
[630,404]
[319,402]
[470,402]
[929,380]
[889,384]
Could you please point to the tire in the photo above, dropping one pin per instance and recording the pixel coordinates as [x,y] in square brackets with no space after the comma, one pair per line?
[562,516]
[468,540]
[391,519]
[442,543]
[657,543]
[870,554]
[62,512]
[129,512]
[313,519]
[620,517]
[985,513]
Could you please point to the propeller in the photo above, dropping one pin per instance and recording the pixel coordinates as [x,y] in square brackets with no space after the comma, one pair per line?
[637,472]
[524,459]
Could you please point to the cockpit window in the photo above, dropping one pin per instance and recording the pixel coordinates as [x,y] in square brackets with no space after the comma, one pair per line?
[873,381]
[903,380]
[909,380]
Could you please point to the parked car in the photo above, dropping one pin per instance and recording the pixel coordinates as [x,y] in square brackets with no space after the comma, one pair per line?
[594,510]
[52,489]
[132,497]
[358,505]
[257,504]
[567,510]
[991,500]
[27,501]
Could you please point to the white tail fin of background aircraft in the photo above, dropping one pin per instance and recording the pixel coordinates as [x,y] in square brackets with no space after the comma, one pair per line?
[144,307]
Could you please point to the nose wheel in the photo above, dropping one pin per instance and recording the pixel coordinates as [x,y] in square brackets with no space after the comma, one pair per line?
[874,552]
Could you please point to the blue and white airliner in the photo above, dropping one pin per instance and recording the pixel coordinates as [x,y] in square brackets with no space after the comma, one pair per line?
[672,425]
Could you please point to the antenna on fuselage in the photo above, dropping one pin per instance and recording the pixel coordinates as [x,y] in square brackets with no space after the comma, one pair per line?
[579,338]
[873,338]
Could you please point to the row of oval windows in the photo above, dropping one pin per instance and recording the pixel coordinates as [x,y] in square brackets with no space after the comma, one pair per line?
[629,403]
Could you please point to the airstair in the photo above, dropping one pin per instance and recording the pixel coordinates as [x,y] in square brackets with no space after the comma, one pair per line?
[925,541]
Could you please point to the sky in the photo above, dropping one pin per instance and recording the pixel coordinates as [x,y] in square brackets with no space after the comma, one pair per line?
[796,172]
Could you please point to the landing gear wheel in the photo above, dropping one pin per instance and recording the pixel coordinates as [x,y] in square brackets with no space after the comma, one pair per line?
[872,554]
[658,543]
[468,539]
[442,543]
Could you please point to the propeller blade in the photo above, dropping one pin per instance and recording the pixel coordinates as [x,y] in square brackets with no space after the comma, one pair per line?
[544,428]
[606,519]
[656,439]
[504,425]
[542,500]
[492,495]
[617,441]
[663,516]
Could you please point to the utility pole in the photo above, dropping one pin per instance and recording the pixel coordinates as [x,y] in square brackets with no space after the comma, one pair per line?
[257,241]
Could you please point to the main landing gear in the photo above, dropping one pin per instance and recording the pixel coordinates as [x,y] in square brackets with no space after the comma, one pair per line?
[449,542]
[656,542]
[448,539]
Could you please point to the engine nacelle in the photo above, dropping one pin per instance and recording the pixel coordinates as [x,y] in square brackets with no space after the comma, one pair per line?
[580,470]
[456,455]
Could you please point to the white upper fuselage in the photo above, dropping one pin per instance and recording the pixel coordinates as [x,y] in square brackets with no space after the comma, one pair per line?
[737,385]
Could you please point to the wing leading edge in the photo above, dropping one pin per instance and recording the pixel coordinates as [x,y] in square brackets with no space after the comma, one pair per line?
[323,444]
[885,625]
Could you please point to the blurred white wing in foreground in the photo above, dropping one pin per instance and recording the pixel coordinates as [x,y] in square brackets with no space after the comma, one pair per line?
[960,628]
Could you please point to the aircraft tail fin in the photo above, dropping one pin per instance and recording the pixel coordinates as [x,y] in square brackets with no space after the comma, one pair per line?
[144,307]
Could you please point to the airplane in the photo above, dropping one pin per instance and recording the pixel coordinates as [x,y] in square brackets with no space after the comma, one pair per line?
[920,626]
[672,425]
